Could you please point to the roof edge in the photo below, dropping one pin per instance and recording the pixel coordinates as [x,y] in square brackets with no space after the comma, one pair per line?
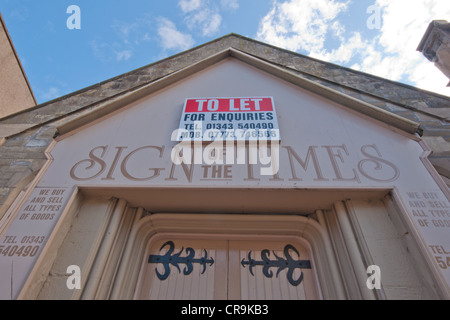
[117,103]
[365,108]
[98,84]
[407,86]
[131,96]
[230,35]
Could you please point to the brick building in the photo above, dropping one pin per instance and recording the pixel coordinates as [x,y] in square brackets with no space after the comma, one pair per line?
[15,92]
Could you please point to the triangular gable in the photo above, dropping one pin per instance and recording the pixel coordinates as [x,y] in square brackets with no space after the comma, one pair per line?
[367,109]
[326,136]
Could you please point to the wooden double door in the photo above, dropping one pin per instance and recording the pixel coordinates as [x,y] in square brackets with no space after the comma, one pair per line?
[203,269]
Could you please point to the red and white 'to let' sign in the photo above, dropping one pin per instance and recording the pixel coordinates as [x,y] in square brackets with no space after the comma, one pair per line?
[241,118]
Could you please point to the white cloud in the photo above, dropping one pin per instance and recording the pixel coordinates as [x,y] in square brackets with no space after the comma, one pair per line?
[127,37]
[133,32]
[202,15]
[124,30]
[211,26]
[208,21]
[189,5]
[230,4]
[123,55]
[300,24]
[400,35]
[345,52]
[100,50]
[107,52]
[428,77]
[171,38]
[306,25]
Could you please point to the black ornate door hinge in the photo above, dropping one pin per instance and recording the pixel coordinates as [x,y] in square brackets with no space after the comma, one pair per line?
[168,259]
[280,263]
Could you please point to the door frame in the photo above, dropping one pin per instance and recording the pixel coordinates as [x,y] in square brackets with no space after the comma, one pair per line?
[229,226]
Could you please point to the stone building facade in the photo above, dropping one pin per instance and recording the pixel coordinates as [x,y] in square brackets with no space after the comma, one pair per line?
[435,45]
[27,135]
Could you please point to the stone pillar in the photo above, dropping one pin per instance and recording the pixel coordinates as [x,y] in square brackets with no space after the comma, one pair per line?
[435,45]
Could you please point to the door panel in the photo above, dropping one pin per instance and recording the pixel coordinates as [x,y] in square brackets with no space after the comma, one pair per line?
[280,280]
[180,269]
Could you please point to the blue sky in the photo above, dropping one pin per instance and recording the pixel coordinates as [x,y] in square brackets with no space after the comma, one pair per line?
[374,36]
